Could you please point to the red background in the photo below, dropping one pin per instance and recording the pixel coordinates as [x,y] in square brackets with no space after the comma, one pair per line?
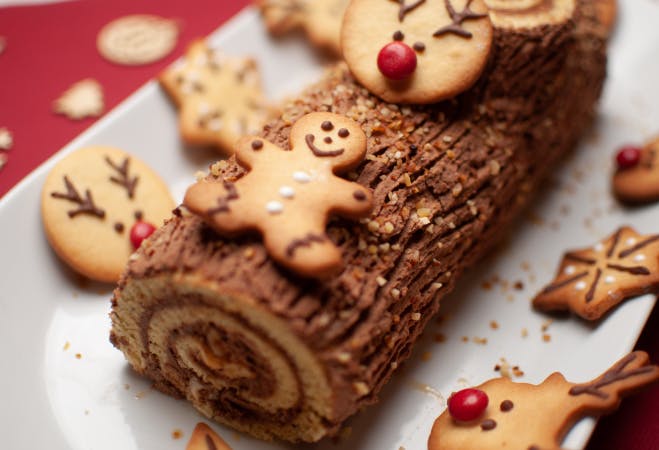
[49,47]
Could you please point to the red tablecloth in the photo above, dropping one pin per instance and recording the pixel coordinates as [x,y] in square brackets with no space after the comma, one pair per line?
[49,47]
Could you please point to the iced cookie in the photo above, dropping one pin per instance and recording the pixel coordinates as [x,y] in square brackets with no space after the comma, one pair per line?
[421,51]
[288,195]
[593,280]
[83,99]
[137,39]
[219,97]
[529,13]
[97,205]
[636,179]
[320,19]
[204,438]
[502,414]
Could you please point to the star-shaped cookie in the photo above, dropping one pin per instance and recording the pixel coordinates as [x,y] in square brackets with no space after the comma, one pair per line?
[219,97]
[593,280]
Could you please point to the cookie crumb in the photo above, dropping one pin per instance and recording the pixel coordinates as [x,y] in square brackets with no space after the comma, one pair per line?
[525,332]
[545,325]
[464,339]
[425,356]
[479,340]
[3,160]
[6,139]
[177,434]
[67,345]
[546,337]
[518,285]
[439,337]
[78,355]
[494,324]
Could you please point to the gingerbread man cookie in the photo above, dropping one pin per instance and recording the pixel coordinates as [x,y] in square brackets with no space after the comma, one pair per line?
[204,438]
[636,179]
[529,13]
[416,51]
[288,195]
[502,414]
[219,97]
[97,205]
[591,281]
[320,19]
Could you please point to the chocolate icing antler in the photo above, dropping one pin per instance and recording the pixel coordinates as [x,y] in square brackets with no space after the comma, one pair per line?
[223,202]
[86,205]
[405,9]
[124,178]
[618,372]
[458,18]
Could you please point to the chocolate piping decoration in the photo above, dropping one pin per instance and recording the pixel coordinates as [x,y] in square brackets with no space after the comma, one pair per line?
[327,126]
[86,205]
[119,227]
[581,259]
[304,242]
[615,373]
[359,195]
[398,36]
[404,9]
[327,140]
[634,270]
[223,202]
[344,133]
[209,442]
[138,215]
[257,144]
[419,46]
[309,138]
[458,18]
[614,244]
[124,180]
[555,286]
[506,405]
[591,292]
[488,424]
[638,246]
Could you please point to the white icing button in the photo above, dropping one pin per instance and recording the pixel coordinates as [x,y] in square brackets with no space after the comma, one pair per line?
[301,177]
[640,257]
[274,207]
[287,192]
[599,247]
[569,270]
[630,241]
[580,286]
[609,279]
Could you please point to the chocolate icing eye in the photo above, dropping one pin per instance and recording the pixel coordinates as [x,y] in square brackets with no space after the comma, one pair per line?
[328,140]
[344,133]
[419,46]
[398,36]
[327,126]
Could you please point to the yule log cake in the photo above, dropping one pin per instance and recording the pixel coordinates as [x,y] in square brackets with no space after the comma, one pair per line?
[253,343]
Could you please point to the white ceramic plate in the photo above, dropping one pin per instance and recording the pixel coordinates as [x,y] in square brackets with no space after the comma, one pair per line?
[65,387]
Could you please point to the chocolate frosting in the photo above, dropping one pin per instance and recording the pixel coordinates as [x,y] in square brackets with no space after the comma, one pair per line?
[447,179]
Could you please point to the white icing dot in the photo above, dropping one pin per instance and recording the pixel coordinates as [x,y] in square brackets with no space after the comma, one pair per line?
[287,192]
[609,279]
[580,286]
[274,207]
[630,241]
[569,270]
[301,177]
[599,247]
[640,257]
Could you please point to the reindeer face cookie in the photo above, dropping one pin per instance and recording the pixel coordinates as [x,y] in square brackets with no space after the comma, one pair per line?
[591,281]
[96,204]
[416,51]
[637,178]
[534,417]
[219,97]
[287,195]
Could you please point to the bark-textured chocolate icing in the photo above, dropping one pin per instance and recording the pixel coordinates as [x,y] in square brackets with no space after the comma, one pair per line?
[447,181]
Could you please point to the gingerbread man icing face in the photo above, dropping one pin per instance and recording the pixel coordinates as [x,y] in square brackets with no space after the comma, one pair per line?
[288,195]
[416,51]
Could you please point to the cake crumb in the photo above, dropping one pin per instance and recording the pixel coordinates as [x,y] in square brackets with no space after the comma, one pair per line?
[177,434]
[525,332]
[126,386]
[78,355]
[518,285]
[518,372]
[67,345]
[494,324]
[416,316]
[425,356]
[545,325]
[140,395]
[360,388]
[546,337]
[439,337]
[464,339]
[479,340]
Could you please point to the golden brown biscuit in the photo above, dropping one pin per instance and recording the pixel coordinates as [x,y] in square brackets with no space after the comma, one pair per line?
[204,438]
[638,181]
[90,201]
[593,280]
[420,51]
[137,39]
[534,417]
[219,97]
[287,196]
[320,19]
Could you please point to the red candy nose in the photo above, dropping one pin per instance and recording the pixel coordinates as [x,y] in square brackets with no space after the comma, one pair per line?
[397,61]
[628,156]
[468,404]
[140,231]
